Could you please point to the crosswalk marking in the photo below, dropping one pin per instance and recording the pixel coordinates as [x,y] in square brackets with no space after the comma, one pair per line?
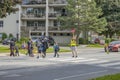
[98,62]
[73,60]
[111,64]
[84,60]
[90,61]
[13,75]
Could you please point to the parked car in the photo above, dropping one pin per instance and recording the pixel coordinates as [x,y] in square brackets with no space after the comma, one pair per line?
[34,39]
[113,46]
[97,40]
[49,39]
[6,41]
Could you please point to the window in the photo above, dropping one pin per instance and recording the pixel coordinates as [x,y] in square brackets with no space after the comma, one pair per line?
[1,23]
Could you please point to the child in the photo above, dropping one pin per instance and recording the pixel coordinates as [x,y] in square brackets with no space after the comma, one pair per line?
[56,49]
[16,51]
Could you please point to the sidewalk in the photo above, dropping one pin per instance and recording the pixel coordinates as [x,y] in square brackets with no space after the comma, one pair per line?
[8,54]
[4,54]
[68,48]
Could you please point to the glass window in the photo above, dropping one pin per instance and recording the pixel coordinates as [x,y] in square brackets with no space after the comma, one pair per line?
[1,23]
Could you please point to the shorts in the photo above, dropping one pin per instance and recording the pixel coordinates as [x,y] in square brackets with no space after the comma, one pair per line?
[73,47]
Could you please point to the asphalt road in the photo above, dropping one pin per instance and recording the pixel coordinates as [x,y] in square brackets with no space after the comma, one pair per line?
[90,63]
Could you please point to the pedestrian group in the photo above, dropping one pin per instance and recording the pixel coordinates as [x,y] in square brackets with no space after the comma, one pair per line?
[42,45]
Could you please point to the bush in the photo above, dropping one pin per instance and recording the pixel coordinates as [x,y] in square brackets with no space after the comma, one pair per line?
[4,35]
[10,35]
[107,40]
[83,41]
[19,43]
[22,40]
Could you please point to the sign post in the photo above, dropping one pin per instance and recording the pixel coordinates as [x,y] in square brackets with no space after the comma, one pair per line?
[73,33]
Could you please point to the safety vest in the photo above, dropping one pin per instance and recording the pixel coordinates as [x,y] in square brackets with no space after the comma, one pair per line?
[73,43]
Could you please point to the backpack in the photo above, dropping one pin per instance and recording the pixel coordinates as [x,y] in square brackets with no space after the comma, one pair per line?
[57,48]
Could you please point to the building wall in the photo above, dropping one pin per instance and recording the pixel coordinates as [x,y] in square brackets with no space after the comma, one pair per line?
[10,24]
[63,40]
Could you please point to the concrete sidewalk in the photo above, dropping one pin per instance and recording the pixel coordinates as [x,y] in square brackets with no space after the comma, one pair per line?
[62,47]
[8,54]
[4,54]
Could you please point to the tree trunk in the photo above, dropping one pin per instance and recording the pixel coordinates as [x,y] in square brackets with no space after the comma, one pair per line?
[77,36]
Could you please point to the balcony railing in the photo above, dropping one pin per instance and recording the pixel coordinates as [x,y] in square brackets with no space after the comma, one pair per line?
[59,2]
[34,2]
[33,15]
[54,14]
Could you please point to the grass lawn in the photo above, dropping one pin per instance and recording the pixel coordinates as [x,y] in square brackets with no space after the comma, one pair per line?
[4,49]
[49,50]
[108,77]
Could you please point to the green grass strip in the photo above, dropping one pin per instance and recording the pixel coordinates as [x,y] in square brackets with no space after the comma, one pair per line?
[109,77]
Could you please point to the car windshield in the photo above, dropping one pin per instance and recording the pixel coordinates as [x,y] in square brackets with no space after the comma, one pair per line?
[115,42]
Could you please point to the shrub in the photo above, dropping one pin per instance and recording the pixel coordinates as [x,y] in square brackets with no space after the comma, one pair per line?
[107,40]
[4,35]
[83,41]
[10,35]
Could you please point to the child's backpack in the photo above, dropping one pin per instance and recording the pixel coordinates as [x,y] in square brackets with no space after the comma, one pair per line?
[57,48]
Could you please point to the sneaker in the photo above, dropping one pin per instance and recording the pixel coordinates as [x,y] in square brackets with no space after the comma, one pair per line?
[37,57]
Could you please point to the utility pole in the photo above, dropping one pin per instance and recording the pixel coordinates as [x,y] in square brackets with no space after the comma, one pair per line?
[47,22]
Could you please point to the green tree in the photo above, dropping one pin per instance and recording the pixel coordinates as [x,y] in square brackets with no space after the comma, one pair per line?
[4,35]
[7,7]
[111,11]
[83,15]
[10,35]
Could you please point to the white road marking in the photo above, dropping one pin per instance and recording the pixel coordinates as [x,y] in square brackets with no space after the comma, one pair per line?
[67,77]
[98,62]
[111,64]
[13,75]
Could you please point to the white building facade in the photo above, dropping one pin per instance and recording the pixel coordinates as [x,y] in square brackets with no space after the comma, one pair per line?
[10,24]
[39,17]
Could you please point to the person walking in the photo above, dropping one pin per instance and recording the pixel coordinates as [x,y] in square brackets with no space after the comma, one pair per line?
[38,45]
[12,47]
[73,47]
[16,51]
[56,49]
[44,46]
[30,48]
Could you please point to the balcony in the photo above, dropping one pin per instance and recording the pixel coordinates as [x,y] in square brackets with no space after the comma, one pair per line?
[33,28]
[58,3]
[34,3]
[53,15]
[33,16]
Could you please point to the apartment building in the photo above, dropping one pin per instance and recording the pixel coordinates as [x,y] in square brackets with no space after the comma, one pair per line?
[39,17]
[10,24]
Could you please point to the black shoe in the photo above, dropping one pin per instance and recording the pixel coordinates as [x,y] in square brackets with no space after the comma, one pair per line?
[37,57]
[76,56]
[72,56]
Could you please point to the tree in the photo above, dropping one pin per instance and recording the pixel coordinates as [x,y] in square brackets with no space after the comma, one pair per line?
[83,15]
[8,6]
[111,11]
[4,35]
[10,35]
